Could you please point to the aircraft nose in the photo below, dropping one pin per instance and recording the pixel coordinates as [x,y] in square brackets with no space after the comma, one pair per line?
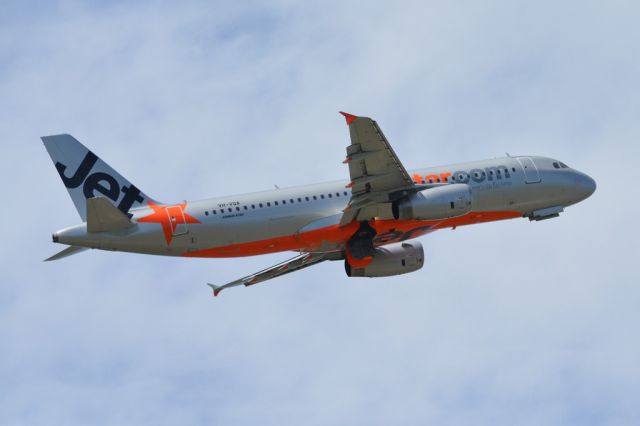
[585,185]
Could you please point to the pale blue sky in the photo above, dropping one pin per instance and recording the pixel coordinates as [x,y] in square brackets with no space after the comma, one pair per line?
[508,323]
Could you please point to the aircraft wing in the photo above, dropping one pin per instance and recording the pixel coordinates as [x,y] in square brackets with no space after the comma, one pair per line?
[291,265]
[377,175]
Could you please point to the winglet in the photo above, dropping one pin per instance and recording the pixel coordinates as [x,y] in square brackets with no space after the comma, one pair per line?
[216,289]
[349,117]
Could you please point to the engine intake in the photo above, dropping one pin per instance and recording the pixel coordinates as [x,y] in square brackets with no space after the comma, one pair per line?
[393,259]
[441,202]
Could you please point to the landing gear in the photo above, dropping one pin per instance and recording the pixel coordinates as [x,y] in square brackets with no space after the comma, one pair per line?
[360,245]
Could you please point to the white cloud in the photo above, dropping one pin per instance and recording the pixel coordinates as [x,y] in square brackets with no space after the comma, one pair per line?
[508,323]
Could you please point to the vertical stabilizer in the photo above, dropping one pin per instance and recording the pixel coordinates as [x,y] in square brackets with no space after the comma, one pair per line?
[86,176]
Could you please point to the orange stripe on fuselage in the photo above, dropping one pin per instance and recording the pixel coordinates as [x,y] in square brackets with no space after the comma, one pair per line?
[387,231]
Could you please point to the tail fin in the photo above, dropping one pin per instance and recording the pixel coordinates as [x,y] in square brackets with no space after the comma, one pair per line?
[87,176]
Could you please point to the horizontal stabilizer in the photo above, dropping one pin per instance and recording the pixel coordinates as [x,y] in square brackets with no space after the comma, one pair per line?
[71,250]
[102,216]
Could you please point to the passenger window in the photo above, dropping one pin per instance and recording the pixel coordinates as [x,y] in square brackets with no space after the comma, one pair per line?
[299,199]
[269,204]
[245,207]
[337,194]
[237,209]
[322,196]
[276,203]
[315,198]
[284,201]
[306,198]
[330,195]
[214,212]
[230,210]
[291,200]
[253,206]
[260,204]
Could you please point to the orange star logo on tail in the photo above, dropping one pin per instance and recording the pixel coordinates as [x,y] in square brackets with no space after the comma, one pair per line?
[170,217]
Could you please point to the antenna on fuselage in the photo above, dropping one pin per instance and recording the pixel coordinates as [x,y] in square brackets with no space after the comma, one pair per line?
[508,155]
[277,187]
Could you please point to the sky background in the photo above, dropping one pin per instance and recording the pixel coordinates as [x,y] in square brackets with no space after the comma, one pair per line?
[508,323]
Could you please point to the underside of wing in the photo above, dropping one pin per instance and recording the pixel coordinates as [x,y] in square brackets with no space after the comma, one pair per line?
[299,262]
[377,175]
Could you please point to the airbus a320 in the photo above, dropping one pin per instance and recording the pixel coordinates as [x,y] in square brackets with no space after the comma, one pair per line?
[369,222]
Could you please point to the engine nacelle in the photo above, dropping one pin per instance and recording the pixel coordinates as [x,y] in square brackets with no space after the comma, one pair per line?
[393,259]
[441,202]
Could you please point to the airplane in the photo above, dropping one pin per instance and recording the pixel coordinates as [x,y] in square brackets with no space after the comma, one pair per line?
[369,222]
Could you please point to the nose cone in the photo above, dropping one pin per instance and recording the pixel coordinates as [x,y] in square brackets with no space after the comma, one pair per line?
[584,186]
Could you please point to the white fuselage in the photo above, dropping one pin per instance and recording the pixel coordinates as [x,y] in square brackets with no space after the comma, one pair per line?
[305,218]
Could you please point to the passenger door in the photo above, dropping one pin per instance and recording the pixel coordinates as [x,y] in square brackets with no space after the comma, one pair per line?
[177,220]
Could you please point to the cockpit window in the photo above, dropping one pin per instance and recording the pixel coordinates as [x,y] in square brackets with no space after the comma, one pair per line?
[564,166]
[556,165]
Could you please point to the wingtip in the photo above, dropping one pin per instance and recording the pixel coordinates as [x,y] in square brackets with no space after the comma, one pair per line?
[349,117]
[215,288]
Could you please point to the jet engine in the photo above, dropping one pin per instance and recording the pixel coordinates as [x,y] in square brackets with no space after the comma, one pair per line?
[393,259]
[441,202]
